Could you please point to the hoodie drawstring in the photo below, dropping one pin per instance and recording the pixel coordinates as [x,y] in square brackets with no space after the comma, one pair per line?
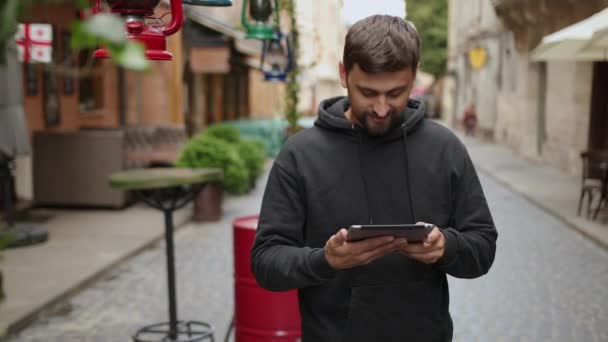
[407,175]
[365,187]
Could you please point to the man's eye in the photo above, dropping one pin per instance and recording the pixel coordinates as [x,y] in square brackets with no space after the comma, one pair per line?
[368,93]
[395,93]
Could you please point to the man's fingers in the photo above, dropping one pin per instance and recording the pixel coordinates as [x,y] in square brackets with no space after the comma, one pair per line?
[419,248]
[338,239]
[341,236]
[427,258]
[369,256]
[366,245]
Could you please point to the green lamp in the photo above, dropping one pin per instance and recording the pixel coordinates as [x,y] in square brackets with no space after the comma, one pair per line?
[260,23]
[216,3]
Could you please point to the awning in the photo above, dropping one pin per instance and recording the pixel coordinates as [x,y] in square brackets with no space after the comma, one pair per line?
[599,43]
[245,46]
[573,42]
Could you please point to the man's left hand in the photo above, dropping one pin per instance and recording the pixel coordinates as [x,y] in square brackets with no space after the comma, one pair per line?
[429,251]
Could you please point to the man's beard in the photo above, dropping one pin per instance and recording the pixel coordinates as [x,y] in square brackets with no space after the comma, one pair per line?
[375,128]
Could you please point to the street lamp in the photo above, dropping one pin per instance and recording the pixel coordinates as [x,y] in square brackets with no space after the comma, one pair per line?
[276,53]
[215,3]
[260,23]
[135,12]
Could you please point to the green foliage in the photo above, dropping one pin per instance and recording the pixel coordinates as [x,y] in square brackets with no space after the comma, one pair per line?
[101,29]
[5,239]
[208,151]
[224,131]
[293,86]
[253,153]
[431,20]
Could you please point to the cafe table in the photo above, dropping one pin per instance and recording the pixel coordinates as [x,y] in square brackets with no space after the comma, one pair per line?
[168,189]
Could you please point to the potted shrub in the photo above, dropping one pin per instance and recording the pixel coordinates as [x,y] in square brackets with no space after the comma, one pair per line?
[208,151]
[253,153]
[224,131]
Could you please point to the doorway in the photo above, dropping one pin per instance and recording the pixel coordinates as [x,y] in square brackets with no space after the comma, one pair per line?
[598,125]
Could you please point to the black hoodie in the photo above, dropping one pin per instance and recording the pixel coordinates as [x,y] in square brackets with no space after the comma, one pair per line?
[334,175]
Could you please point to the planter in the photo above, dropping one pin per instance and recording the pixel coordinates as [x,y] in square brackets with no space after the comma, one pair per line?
[208,203]
[252,182]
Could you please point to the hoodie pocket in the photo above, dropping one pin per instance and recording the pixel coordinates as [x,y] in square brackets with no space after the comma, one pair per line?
[395,312]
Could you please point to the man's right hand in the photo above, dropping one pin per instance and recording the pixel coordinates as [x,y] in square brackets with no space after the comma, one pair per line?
[342,254]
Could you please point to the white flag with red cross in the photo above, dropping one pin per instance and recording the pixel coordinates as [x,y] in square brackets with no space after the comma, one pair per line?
[35,43]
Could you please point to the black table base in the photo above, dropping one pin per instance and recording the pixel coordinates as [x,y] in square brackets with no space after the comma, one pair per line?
[186,331]
[168,200]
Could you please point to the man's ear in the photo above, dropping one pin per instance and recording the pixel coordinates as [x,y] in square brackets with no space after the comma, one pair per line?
[343,75]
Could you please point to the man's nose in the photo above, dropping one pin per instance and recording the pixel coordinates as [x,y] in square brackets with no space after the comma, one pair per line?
[381,107]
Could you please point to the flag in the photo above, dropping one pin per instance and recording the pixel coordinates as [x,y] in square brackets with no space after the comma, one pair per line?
[35,43]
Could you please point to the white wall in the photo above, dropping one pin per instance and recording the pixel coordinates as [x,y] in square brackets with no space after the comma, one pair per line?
[321,44]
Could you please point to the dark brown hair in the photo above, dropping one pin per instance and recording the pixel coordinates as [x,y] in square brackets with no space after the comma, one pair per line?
[381,43]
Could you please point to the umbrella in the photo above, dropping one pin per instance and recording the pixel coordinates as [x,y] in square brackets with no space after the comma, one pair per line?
[599,43]
[14,138]
[571,43]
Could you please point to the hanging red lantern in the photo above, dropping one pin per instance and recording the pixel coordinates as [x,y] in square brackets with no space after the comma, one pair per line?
[135,13]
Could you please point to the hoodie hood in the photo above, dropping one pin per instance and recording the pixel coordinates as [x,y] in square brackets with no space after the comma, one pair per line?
[331,116]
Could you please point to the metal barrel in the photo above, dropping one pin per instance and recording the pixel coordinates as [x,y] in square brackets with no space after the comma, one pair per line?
[260,315]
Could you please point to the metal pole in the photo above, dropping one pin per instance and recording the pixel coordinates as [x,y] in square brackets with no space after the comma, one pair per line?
[171,273]
[6,175]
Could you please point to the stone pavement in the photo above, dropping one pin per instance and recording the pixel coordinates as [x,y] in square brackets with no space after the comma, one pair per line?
[81,244]
[547,282]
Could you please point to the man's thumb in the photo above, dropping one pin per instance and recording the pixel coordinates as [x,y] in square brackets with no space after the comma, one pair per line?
[340,237]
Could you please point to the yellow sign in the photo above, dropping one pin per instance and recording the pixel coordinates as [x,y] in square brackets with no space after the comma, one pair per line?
[478,57]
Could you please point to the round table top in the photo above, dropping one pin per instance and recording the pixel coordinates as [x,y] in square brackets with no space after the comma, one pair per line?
[162,177]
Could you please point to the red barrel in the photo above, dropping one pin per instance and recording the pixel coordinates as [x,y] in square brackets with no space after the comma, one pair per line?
[260,315]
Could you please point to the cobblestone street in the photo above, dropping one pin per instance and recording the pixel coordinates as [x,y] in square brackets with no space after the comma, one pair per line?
[548,283]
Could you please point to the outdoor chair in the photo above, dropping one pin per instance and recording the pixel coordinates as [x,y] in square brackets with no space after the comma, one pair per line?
[595,164]
[602,163]
[603,200]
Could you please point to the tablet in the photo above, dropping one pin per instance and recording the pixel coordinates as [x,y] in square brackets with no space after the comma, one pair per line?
[414,233]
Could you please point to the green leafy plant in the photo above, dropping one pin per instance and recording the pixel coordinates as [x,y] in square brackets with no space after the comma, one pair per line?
[106,30]
[253,153]
[224,131]
[207,151]
[292,91]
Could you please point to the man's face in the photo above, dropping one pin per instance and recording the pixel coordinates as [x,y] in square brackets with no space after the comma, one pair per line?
[377,99]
